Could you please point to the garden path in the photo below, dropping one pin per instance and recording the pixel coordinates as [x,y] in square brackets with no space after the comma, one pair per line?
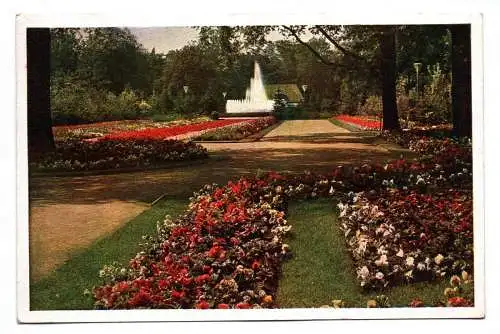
[69,213]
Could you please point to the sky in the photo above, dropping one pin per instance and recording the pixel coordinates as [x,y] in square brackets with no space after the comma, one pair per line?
[170,38]
[164,39]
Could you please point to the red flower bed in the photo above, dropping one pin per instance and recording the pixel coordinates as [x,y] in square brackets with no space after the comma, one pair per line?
[161,133]
[360,122]
[239,130]
[226,250]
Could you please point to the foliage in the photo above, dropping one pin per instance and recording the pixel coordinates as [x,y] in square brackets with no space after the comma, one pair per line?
[280,102]
[88,80]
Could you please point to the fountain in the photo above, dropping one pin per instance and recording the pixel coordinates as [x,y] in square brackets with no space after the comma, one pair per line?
[255,101]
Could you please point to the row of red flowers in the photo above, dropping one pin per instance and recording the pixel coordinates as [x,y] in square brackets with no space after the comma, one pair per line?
[94,130]
[161,133]
[226,250]
[239,130]
[360,122]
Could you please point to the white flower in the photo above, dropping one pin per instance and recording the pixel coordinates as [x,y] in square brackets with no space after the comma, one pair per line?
[410,261]
[381,250]
[331,190]
[382,261]
[363,272]
[385,183]
[438,259]
[400,253]
[421,266]
[409,274]
[379,275]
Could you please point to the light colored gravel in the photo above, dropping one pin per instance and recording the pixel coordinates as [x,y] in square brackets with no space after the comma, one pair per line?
[305,128]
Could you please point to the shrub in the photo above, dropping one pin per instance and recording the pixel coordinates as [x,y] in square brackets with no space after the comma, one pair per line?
[372,106]
[214,115]
[77,102]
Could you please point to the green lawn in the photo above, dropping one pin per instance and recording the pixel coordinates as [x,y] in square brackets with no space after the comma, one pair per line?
[64,289]
[321,268]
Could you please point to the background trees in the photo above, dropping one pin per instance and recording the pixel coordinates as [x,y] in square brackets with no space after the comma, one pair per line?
[104,73]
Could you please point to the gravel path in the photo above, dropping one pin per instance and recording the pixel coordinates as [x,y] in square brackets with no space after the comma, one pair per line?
[305,128]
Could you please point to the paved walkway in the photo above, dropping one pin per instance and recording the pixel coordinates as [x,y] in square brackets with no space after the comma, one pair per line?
[305,128]
[64,215]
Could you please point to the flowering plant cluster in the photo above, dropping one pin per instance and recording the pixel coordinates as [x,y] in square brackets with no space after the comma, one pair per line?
[239,130]
[406,236]
[224,252]
[108,154]
[173,131]
[459,293]
[93,130]
[403,221]
[362,122]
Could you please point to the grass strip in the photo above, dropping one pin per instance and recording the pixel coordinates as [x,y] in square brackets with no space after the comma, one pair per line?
[322,270]
[64,288]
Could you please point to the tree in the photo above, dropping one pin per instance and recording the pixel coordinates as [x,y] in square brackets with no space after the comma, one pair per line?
[40,136]
[461,80]
[362,35]
[388,70]
[112,59]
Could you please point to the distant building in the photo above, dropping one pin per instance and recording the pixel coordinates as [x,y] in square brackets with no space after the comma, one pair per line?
[292,91]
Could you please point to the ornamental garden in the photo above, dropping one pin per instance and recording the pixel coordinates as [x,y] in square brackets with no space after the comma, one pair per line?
[376,233]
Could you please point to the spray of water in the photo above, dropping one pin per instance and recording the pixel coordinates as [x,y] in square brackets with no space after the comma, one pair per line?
[255,98]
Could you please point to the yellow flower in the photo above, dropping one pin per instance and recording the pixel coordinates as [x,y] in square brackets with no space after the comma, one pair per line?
[371,303]
[465,275]
[438,259]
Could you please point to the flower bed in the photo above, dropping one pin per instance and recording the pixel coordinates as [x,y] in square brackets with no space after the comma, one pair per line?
[406,236]
[403,221]
[362,122]
[77,155]
[87,131]
[162,133]
[239,130]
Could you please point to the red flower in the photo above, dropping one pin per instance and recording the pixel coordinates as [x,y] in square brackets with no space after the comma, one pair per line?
[416,303]
[458,302]
[202,279]
[223,306]
[243,306]
[162,133]
[255,265]
[203,305]
[178,294]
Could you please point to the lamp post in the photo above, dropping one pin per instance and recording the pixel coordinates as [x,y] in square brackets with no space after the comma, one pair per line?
[224,95]
[186,89]
[304,88]
[417,67]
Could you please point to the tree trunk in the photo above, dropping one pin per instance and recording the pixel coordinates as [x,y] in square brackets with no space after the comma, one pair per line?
[40,137]
[461,99]
[388,79]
